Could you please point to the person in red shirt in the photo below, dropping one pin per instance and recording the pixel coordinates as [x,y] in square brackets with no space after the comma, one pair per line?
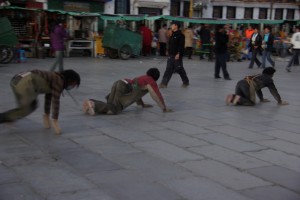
[147,39]
[126,92]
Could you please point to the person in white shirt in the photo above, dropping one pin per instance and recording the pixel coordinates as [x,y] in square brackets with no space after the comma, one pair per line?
[296,48]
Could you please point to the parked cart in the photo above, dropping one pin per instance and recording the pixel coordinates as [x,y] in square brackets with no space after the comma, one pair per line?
[121,42]
[8,40]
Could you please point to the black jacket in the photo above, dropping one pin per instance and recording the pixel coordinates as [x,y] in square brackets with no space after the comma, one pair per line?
[176,43]
[221,39]
[205,35]
[262,81]
[269,43]
[257,42]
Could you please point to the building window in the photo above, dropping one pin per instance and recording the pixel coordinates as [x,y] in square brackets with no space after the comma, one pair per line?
[278,13]
[248,13]
[122,7]
[218,12]
[230,12]
[175,8]
[186,9]
[263,13]
[290,14]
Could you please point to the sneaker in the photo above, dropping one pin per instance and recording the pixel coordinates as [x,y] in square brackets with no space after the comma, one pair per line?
[236,99]
[228,99]
[162,85]
[88,107]
[217,77]
[227,78]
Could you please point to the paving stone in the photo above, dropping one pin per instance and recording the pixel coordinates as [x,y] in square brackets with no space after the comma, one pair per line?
[130,185]
[86,161]
[105,145]
[178,139]
[52,178]
[284,135]
[281,145]
[167,151]
[199,188]
[126,135]
[233,158]
[183,127]
[240,133]
[271,192]
[7,175]
[279,175]
[157,169]
[230,142]
[221,173]
[96,194]
[17,191]
[279,158]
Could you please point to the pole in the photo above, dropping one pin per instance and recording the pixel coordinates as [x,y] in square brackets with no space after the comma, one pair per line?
[191,9]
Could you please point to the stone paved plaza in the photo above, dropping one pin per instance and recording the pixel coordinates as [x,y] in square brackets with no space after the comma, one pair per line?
[204,150]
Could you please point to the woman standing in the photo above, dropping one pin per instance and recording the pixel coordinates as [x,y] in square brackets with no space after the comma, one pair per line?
[57,35]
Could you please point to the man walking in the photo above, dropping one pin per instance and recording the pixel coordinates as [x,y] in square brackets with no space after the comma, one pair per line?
[255,47]
[221,38]
[175,54]
[296,48]
[268,41]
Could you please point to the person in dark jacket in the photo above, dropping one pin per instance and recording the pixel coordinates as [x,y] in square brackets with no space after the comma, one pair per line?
[247,89]
[28,85]
[175,54]
[221,39]
[205,41]
[267,45]
[58,35]
[255,47]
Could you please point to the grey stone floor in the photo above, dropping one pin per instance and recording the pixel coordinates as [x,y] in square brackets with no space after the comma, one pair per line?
[204,150]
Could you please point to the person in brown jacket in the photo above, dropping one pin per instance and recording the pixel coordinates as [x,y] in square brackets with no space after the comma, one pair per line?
[28,85]
[189,39]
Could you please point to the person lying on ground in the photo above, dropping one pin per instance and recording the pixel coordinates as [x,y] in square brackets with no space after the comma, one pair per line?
[247,89]
[125,92]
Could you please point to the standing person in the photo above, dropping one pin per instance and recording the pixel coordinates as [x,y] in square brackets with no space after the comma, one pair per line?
[147,39]
[295,40]
[248,33]
[205,40]
[221,39]
[255,47]
[267,44]
[189,39]
[126,92]
[247,89]
[162,39]
[28,85]
[58,35]
[175,54]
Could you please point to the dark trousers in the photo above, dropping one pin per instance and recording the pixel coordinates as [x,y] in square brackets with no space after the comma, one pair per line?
[294,58]
[174,66]
[243,90]
[255,52]
[162,49]
[221,63]
[189,52]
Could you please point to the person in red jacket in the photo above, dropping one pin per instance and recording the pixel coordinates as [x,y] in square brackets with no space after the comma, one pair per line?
[126,92]
[147,39]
